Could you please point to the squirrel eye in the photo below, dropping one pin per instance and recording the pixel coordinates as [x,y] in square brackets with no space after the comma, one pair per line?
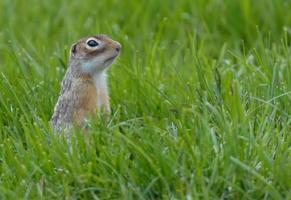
[92,43]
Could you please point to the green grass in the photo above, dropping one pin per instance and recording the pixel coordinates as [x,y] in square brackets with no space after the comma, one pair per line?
[201,100]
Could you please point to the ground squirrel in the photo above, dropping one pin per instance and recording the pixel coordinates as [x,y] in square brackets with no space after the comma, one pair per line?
[84,87]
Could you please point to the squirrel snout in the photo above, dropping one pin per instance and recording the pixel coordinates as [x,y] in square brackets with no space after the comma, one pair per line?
[117,46]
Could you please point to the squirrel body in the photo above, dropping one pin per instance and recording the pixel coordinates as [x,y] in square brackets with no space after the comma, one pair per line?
[84,87]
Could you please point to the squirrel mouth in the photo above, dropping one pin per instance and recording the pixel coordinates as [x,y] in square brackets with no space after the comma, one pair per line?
[108,60]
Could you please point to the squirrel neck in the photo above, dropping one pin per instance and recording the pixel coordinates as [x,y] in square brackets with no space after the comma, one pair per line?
[98,77]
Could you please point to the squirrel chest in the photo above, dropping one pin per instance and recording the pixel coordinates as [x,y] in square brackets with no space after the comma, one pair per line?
[85,99]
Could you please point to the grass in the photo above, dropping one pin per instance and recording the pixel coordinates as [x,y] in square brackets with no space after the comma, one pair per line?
[201,101]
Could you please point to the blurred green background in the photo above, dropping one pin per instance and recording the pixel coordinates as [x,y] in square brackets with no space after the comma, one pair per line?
[200,100]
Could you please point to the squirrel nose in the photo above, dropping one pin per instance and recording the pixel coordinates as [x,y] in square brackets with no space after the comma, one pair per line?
[118,47]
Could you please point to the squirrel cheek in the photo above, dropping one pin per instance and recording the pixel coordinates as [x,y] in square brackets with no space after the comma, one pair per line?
[91,65]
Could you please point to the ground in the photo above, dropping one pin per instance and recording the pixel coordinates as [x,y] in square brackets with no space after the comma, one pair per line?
[200,99]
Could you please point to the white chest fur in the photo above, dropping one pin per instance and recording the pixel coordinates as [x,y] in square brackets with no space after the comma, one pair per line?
[100,79]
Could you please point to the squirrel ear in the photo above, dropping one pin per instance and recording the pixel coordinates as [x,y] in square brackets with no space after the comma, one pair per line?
[74,48]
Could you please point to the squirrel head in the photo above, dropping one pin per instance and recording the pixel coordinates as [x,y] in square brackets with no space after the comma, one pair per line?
[94,53]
